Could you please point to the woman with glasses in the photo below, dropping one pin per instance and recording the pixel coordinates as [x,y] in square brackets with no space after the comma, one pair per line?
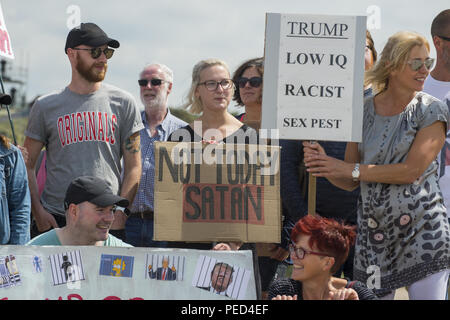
[403,229]
[248,80]
[319,248]
[331,201]
[210,95]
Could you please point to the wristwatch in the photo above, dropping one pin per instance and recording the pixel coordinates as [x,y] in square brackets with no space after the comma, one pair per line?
[124,210]
[355,172]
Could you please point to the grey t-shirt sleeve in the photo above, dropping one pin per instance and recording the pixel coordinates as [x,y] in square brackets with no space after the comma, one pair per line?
[133,120]
[35,128]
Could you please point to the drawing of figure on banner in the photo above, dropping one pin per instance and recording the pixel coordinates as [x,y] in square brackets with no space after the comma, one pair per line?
[167,268]
[116,266]
[221,278]
[66,267]
[37,264]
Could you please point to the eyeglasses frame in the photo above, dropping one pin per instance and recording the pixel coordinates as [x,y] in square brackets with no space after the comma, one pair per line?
[422,63]
[153,85]
[217,84]
[101,51]
[293,249]
[248,80]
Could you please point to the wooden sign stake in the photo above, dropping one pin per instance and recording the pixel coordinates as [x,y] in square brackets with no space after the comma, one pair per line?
[312,192]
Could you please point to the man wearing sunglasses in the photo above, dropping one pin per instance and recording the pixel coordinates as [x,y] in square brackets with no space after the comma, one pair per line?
[86,128]
[438,84]
[155,82]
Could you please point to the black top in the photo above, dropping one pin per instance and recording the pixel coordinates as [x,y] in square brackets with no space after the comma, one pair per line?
[290,287]
[331,201]
[244,135]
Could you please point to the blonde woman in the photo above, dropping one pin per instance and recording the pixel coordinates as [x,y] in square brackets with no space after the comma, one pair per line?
[403,230]
[210,95]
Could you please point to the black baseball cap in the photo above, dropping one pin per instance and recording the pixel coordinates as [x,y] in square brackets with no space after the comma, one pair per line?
[5,99]
[91,35]
[93,190]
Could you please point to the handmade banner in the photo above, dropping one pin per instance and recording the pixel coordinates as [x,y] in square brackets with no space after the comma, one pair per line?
[217,192]
[5,41]
[107,273]
[313,76]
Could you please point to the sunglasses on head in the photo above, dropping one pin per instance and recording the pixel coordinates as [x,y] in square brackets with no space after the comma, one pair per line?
[154,82]
[255,82]
[416,64]
[97,52]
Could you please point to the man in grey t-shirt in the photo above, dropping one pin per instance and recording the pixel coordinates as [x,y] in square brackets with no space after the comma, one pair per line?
[86,128]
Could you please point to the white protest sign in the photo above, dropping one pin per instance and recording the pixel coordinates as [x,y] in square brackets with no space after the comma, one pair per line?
[5,40]
[313,76]
[107,273]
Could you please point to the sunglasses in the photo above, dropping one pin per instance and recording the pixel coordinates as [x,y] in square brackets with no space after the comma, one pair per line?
[300,252]
[212,85]
[154,82]
[444,38]
[255,82]
[97,52]
[416,64]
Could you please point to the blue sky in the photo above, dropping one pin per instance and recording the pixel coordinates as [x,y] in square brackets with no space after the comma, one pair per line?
[177,33]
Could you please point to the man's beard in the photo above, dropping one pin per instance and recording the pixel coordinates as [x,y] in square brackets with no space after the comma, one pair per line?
[158,103]
[90,73]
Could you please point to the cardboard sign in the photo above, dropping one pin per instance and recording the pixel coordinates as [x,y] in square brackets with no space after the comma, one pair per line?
[107,273]
[226,192]
[313,76]
[5,41]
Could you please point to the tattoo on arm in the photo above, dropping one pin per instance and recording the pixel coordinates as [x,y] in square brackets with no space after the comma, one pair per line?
[133,143]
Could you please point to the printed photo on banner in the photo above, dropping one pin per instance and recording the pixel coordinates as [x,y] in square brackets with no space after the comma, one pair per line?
[221,278]
[9,273]
[165,267]
[66,267]
[116,266]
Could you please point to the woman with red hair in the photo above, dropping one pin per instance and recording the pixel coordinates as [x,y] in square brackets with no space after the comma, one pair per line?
[319,247]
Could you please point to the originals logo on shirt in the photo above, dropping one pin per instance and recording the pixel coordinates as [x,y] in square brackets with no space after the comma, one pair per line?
[87,126]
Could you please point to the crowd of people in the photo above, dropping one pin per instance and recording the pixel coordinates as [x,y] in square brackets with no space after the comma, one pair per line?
[379,202]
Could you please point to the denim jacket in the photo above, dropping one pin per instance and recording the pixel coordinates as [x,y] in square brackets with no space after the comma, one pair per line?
[15,205]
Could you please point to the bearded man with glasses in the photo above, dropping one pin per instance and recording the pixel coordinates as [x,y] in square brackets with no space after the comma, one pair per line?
[155,82]
[86,128]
